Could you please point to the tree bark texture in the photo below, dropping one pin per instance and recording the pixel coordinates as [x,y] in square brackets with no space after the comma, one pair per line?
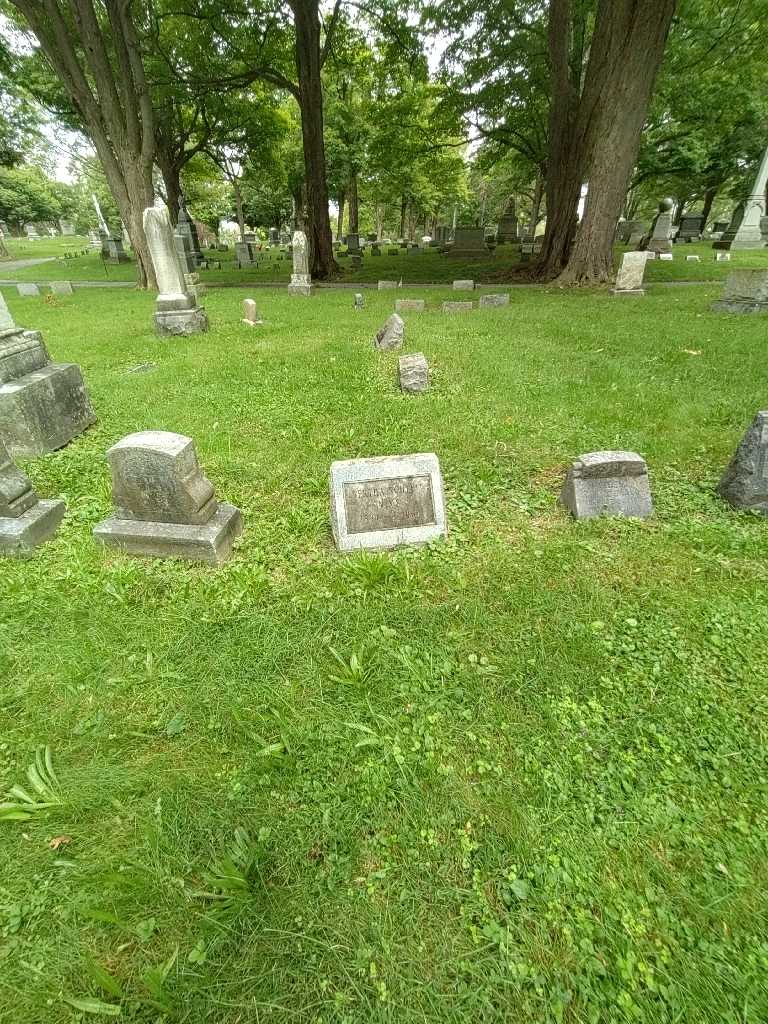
[340,221]
[596,130]
[310,97]
[101,70]
[354,206]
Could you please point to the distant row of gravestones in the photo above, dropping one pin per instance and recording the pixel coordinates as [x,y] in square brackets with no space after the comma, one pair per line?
[165,506]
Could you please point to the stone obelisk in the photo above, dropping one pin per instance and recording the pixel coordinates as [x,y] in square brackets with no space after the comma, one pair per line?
[744,230]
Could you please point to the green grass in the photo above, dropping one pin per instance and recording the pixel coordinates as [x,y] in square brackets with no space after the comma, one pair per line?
[426,267]
[518,776]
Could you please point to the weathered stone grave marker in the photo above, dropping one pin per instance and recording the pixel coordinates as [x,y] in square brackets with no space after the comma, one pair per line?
[745,482]
[359,300]
[611,483]
[413,305]
[464,286]
[27,289]
[385,502]
[43,405]
[301,281]
[25,520]
[164,505]
[61,288]
[176,308]
[746,291]
[629,279]
[384,286]
[391,335]
[413,371]
[251,313]
[457,307]
[487,301]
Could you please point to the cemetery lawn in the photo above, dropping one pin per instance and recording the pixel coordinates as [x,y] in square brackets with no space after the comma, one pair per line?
[428,267]
[516,776]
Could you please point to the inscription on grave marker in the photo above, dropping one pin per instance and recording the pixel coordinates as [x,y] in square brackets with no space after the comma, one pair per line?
[394,504]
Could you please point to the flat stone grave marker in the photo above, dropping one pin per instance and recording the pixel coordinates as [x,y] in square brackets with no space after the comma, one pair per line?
[414,305]
[693,258]
[385,286]
[391,335]
[386,502]
[164,505]
[464,286]
[457,307]
[494,300]
[746,291]
[27,289]
[413,371]
[25,520]
[745,482]
[666,256]
[722,257]
[612,483]
[629,279]
[251,313]
[61,288]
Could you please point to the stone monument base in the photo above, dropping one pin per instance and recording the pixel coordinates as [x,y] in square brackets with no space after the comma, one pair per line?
[738,306]
[300,289]
[627,291]
[173,322]
[19,537]
[43,410]
[211,543]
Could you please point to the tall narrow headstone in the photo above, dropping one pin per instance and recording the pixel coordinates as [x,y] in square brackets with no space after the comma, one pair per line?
[43,405]
[25,520]
[629,279]
[176,310]
[608,483]
[164,505]
[745,482]
[185,226]
[251,313]
[744,231]
[301,281]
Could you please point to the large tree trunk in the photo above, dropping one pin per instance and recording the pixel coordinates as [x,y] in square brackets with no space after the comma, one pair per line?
[310,96]
[709,198]
[354,206]
[563,164]
[94,51]
[625,54]
[171,173]
[538,193]
[340,221]
[403,212]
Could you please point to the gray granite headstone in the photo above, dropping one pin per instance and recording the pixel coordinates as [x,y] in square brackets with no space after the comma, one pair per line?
[658,238]
[391,335]
[608,483]
[629,279]
[251,313]
[27,289]
[359,301]
[43,405]
[164,505]
[457,307]
[410,305]
[463,286]
[384,286]
[385,502]
[501,299]
[413,372]
[25,520]
[746,291]
[61,288]
[745,482]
